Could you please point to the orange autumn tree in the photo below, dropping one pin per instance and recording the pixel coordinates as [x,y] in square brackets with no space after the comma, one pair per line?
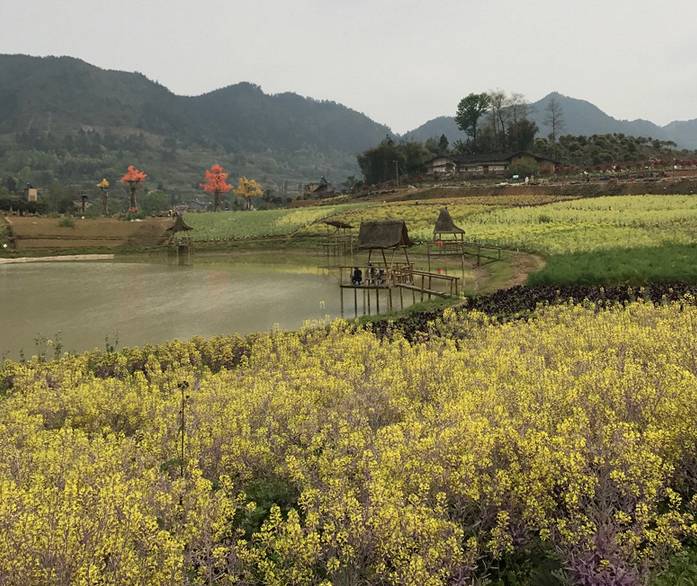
[133,178]
[215,182]
[247,189]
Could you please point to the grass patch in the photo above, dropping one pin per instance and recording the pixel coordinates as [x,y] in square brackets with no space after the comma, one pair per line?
[212,226]
[636,266]
[680,571]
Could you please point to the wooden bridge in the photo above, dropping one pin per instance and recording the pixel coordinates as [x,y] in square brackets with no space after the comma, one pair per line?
[392,282]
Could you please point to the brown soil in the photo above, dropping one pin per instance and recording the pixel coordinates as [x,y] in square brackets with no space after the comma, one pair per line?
[521,265]
[34,232]
[684,186]
[677,185]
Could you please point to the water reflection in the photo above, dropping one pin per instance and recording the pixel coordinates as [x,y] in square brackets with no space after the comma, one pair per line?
[148,303]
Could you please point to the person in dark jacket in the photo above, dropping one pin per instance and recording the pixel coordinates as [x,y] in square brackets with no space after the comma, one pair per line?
[356,276]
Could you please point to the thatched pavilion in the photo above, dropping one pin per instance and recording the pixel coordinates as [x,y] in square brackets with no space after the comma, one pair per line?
[384,235]
[179,226]
[181,248]
[446,230]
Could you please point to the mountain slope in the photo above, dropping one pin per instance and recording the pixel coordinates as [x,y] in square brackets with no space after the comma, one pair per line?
[279,138]
[580,118]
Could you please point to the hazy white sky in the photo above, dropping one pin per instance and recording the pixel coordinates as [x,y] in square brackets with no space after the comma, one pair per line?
[401,62]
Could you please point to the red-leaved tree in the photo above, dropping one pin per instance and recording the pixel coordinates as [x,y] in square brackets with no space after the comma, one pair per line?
[133,178]
[215,182]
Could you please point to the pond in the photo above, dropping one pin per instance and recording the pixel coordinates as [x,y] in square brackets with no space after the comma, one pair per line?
[145,302]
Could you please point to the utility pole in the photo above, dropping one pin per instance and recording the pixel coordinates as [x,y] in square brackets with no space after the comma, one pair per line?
[396,171]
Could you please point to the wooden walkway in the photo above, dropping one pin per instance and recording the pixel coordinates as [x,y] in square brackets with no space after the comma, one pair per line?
[393,282]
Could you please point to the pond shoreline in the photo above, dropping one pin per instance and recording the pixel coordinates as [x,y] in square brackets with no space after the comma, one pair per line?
[56,258]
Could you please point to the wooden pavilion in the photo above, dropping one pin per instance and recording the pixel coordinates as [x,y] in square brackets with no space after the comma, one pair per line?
[180,248]
[449,239]
[340,241]
[445,229]
[389,235]
[385,235]
[179,226]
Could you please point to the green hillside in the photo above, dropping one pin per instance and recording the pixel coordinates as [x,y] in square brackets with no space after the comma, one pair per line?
[63,119]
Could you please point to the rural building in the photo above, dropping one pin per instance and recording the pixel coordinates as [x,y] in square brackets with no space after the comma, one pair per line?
[32,193]
[487,164]
[321,189]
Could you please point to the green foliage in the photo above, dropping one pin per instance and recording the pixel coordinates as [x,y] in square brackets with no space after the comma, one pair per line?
[469,111]
[20,204]
[242,225]
[66,222]
[681,570]
[638,266]
[266,493]
[525,167]
[283,137]
[607,149]
[154,202]
[379,164]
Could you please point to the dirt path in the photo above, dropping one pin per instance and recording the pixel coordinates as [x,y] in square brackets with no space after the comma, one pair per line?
[519,266]
[60,258]
[523,264]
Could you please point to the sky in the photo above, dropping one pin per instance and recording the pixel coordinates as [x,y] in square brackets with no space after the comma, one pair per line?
[401,62]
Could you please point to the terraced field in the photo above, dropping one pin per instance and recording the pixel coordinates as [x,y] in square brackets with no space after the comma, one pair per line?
[30,233]
[243,225]
[612,239]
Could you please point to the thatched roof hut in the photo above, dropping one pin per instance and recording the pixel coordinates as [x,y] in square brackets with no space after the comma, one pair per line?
[445,224]
[179,225]
[385,234]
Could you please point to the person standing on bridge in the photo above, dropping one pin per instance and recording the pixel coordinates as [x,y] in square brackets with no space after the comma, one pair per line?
[356,277]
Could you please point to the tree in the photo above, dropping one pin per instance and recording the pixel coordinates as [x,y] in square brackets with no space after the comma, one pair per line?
[248,189]
[414,157]
[215,182]
[155,202]
[470,109]
[133,178]
[443,144]
[381,163]
[350,184]
[554,118]
[104,187]
[378,163]
[10,183]
[60,199]
[521,134]
[498,110]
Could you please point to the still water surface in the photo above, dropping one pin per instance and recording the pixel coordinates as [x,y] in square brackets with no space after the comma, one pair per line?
[147,303]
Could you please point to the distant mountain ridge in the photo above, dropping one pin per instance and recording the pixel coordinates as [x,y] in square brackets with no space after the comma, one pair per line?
[62,119]
[59,95]
[580,118]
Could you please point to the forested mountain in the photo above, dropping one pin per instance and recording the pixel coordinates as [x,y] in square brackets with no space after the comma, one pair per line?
[580,117]
[64,119]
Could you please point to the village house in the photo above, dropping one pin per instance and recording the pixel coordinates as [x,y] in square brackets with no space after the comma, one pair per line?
[321,189]
[487,164]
